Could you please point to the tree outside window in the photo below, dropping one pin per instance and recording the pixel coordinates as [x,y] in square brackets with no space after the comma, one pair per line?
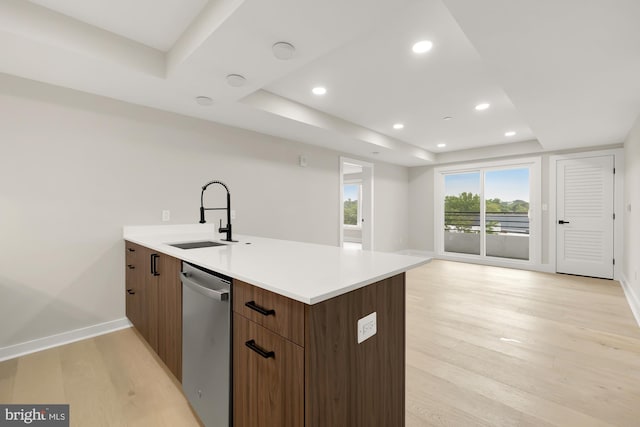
[351,204]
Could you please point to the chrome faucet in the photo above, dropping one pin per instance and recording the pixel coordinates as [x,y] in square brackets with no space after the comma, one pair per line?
[221,229]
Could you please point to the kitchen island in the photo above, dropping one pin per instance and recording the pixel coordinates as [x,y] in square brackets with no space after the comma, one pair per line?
[315,363]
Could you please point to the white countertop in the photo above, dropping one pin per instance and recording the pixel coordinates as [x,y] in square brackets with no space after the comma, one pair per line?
[309,273]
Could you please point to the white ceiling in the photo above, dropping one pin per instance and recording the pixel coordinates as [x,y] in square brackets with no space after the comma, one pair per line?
[155,23]
[561,74]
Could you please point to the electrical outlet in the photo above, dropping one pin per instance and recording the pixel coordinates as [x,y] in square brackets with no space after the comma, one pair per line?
[302,160]
[367,327]
[166,215]
[233,214]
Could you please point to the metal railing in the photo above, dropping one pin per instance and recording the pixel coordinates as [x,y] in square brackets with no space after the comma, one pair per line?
[496,222]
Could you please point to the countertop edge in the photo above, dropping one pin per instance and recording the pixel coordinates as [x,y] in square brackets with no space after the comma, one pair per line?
[140,240]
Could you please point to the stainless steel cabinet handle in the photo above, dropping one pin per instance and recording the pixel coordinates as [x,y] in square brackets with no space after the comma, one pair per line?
[220,295]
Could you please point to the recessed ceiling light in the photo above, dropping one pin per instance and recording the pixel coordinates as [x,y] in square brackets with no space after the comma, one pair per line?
[422,46]
[236,80]
[204,100]
[510,133]
[398,126]
[375,153]
[319,90]
[441,145]
[483,106]
[447,118]
[283,50]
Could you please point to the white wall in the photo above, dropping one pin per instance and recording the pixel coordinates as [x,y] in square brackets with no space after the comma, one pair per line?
[632,217]
[75,168]
[390,207]
[421,199]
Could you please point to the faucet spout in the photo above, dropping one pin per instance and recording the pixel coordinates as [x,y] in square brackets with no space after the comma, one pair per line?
[227,229]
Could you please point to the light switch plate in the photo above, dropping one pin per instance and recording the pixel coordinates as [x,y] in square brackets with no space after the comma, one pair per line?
[166,215]
[367,327]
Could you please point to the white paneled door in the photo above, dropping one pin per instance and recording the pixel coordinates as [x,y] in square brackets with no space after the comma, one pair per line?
[585,216]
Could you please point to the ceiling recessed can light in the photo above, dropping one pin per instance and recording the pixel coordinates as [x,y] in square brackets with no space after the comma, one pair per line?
[398,126]
[441,145]
[204,100]
[375,153]
[422,46]
[319,90]
[283,50]
[510,133]
[483,106]
[447,118]
[236,80]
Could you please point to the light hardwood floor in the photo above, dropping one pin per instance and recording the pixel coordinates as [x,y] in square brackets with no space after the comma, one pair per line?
[485,347]
[110,380]
[489,346]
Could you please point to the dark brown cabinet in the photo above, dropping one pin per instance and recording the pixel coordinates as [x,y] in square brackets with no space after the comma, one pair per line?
[268,377]
[135,287]
[154,302]
[301,365]
[293,364]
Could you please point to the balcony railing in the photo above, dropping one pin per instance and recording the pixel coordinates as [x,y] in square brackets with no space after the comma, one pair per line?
[496,222]
[507,234]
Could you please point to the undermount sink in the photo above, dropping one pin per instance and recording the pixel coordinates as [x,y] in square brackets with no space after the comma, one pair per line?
[195,245]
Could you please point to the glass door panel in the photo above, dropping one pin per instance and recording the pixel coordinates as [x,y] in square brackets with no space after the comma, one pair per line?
[507,199]
[462,213]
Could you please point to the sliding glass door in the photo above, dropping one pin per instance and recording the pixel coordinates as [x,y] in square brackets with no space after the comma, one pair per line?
[462,213]
[507,213]
[486,212]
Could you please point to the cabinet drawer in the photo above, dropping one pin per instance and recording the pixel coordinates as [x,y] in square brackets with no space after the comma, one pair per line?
[268,377]
[279,314]
[132,254]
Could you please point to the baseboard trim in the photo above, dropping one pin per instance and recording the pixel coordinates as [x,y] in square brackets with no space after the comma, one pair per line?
[415,252]
[522,265]
[633,299]
[17,350]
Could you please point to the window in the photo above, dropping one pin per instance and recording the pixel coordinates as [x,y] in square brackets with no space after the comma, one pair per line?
[351,204]
[485,211]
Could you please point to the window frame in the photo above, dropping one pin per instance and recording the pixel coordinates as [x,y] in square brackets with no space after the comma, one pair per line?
[535,211]
[357,182]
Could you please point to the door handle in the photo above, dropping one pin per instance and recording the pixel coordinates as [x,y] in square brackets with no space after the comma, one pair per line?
[563,222]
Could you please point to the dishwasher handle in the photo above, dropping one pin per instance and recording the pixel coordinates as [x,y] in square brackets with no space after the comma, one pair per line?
[220,295]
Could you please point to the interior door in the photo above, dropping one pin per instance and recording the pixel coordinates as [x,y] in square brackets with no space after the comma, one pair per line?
[367,208]
[585,216]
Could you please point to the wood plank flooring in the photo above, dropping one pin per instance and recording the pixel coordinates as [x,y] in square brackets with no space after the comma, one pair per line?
[486,346]
[110,380]
[489,346]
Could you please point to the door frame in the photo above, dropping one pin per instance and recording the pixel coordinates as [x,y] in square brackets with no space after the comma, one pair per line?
[368,214]
[535,213]
[618,204]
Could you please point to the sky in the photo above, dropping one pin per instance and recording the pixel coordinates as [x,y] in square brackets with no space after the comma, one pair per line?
[351,191]
[507,184]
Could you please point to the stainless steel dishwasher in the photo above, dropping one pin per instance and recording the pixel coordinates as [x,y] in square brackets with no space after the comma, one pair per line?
[206,344]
